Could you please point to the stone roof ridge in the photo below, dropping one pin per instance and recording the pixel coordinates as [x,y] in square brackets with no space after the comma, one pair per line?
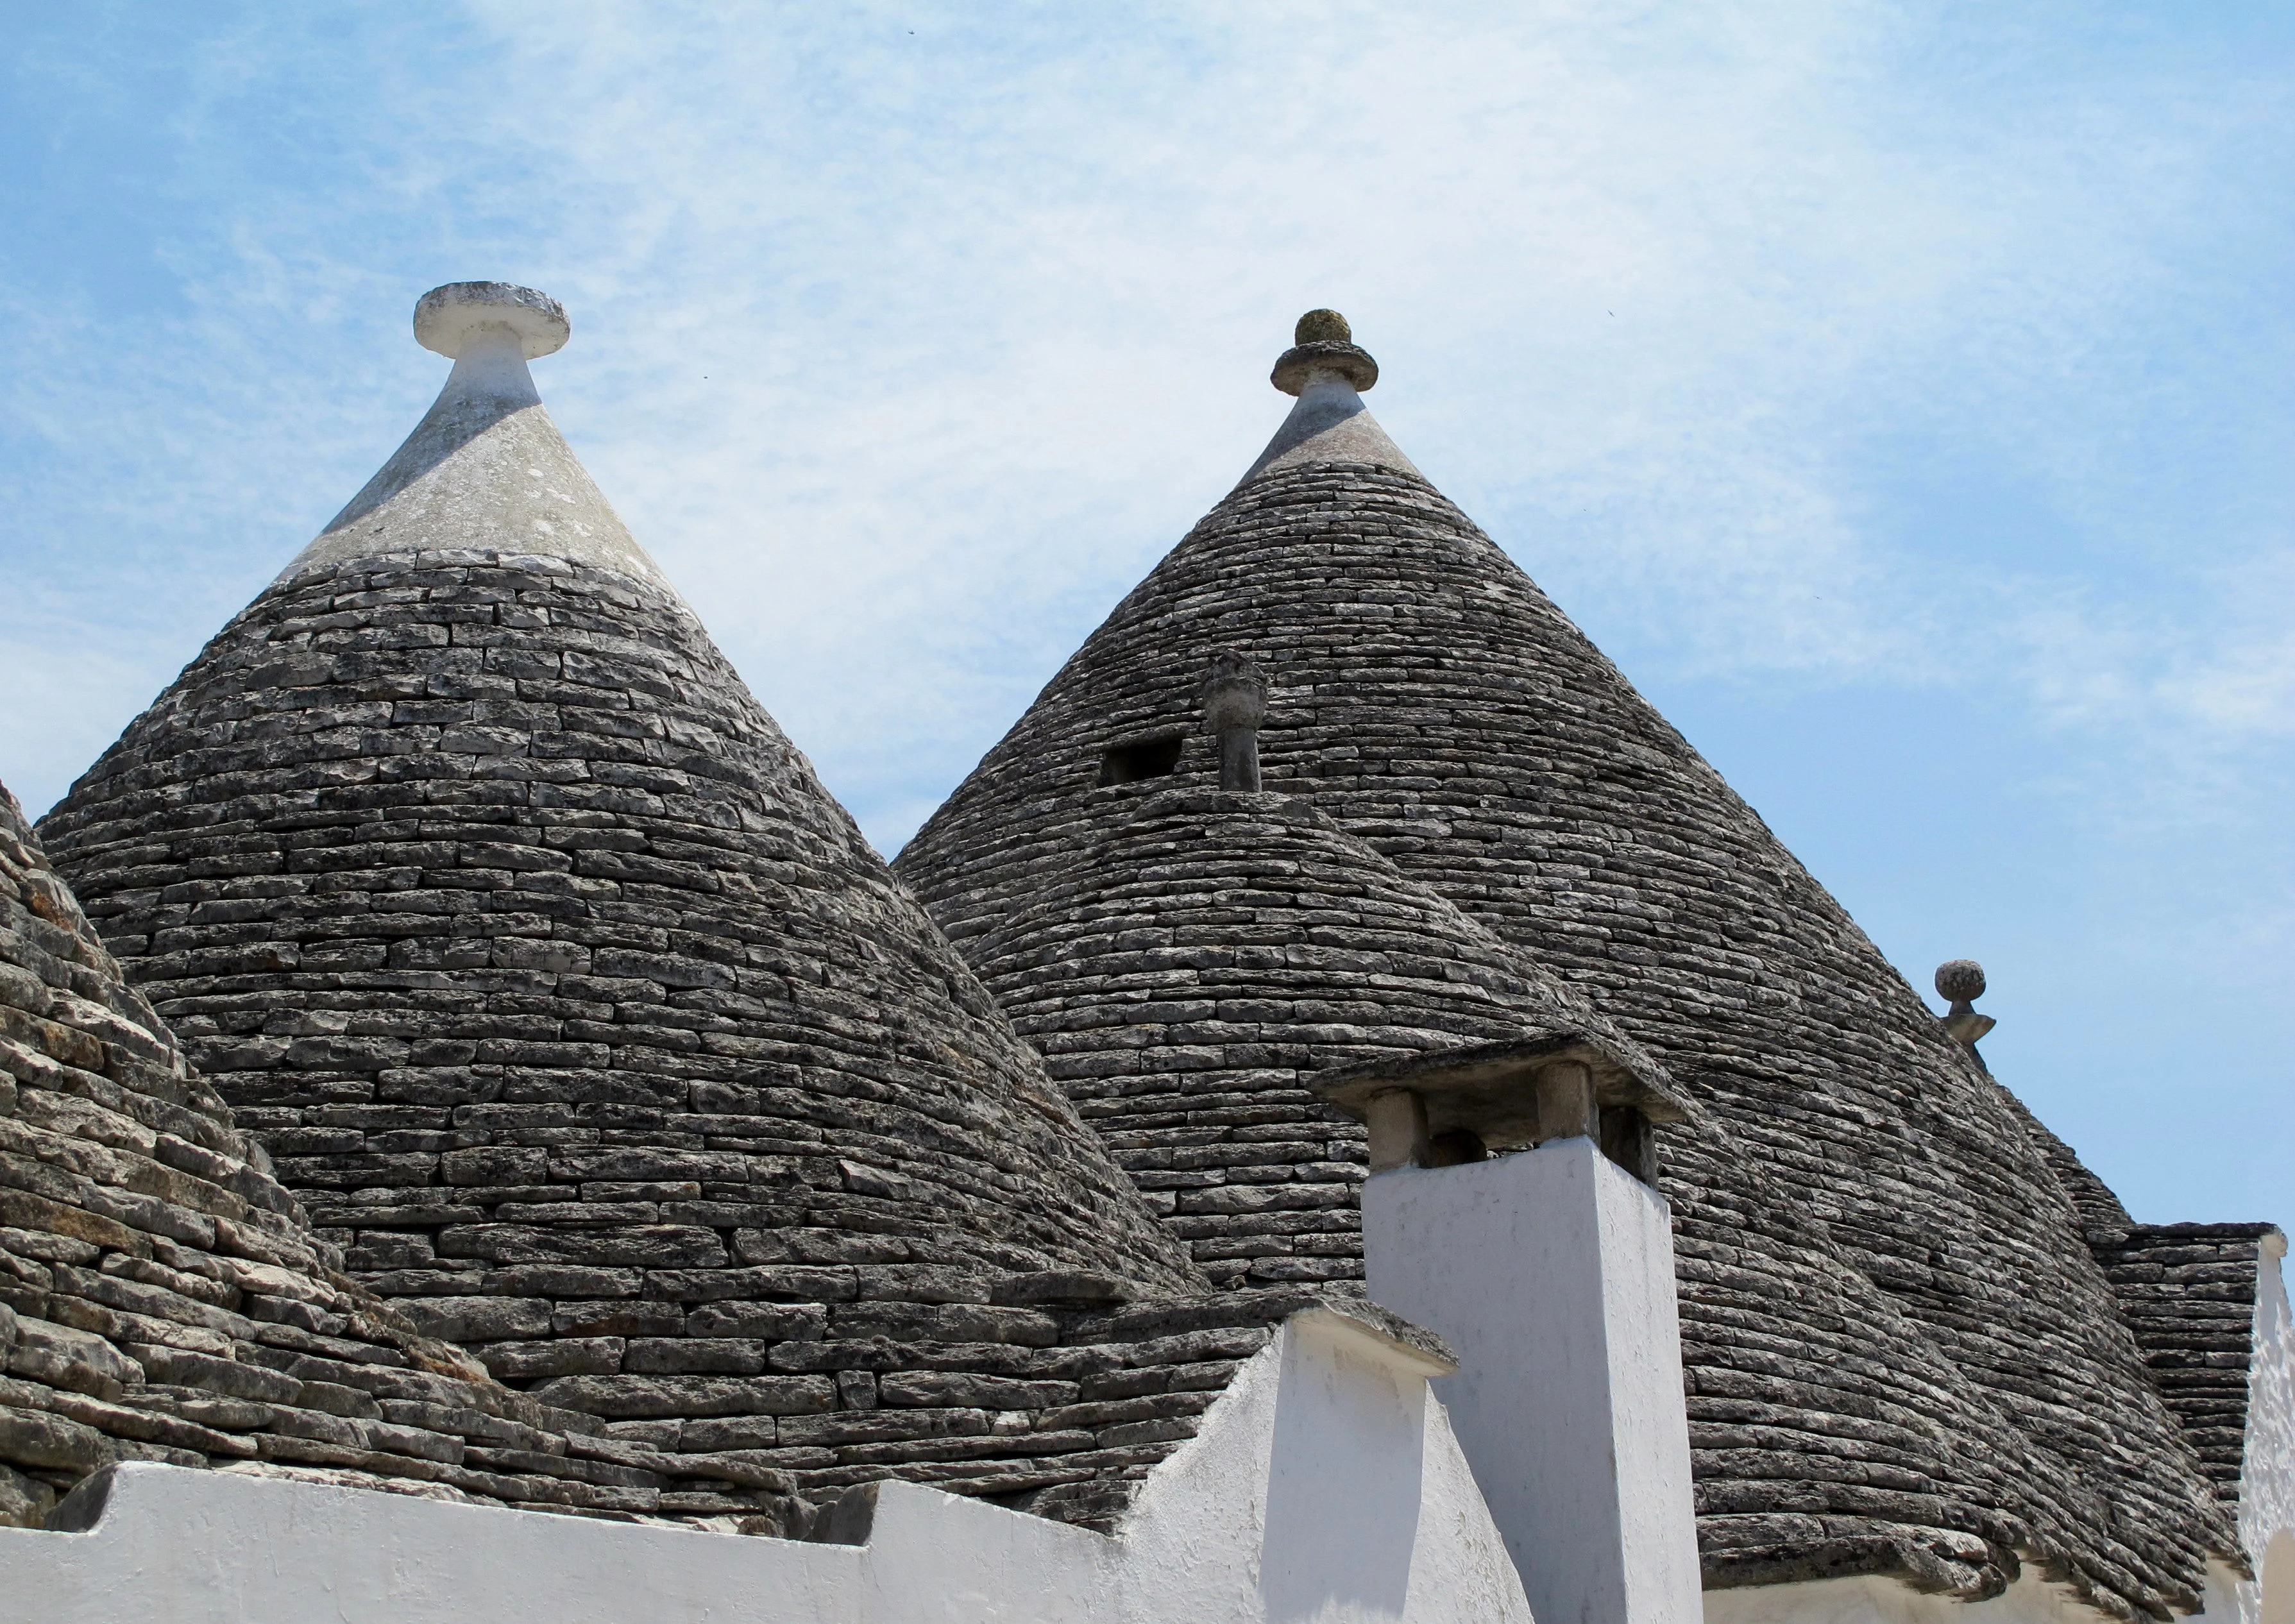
[1329,423]
[486,467]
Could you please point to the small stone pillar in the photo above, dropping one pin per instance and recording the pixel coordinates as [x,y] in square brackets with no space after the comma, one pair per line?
[1550,1273]
[1397,1121]
[1235,704]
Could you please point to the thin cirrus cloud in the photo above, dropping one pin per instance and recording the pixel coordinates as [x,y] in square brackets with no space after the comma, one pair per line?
[1810,354]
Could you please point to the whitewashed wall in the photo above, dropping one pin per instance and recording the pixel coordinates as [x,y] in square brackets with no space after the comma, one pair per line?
[1551,1274]
[1326,1486]
[1888,1601]
[2266,1511]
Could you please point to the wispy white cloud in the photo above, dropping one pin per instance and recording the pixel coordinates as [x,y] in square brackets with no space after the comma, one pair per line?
[1791,344]
[927,332]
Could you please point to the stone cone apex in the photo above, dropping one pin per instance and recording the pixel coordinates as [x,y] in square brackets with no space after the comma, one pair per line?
[486,468]
[162,1297]
[1328,372]
[1208,1072]
[1438,707]
[568,1002]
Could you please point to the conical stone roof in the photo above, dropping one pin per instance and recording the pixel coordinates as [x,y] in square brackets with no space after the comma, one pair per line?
[562,993]
[162,1299]
[1435,704]
[1197,964]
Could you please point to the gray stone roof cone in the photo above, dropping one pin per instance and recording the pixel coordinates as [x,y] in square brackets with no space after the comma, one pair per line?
[1864,1223]
[162,1297]
[563,994]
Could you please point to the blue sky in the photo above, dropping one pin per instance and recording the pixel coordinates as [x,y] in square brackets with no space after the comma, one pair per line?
[1902,395]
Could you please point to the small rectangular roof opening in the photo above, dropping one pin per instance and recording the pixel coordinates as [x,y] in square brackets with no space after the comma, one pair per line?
[1141,758]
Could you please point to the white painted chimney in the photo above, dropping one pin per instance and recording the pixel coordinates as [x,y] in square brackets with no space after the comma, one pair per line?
[1551,1274]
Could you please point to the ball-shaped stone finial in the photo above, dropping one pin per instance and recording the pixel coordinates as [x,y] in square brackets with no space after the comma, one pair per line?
[445,318]
[1960,979]
[1323,342]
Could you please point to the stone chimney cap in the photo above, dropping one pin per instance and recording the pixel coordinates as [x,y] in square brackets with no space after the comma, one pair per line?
[1323,342]
[1491,1089]
[445,318]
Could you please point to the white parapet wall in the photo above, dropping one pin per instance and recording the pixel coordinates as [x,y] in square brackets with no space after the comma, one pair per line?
[1326,1486]
[1873,1599]
[1550,1273]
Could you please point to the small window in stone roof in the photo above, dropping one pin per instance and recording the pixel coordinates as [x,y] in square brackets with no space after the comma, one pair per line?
[1141,758]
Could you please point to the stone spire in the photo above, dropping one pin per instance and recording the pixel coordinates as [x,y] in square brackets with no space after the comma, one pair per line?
[1960,982]
[566,998]
[1328,373]
[1235,704]
[486,468]
[1442,710]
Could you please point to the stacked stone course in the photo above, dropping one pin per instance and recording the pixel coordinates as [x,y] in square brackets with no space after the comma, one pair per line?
[1208,951]
[609,1052]
[1434,704]
[162,1299]
[2189,1294]
[485,894]
[588,1025]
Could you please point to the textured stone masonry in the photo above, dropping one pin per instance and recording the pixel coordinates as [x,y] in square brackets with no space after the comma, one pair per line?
[2188,1291]
[1200,960]
[637,1145]
[1901,1357]
[162,1298]
[487,895]
[587,1025]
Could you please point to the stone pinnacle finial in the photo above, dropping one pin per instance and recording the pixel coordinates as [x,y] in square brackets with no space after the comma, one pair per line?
[1962,981]
[446,319]
[1235,703]
[1323,342]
